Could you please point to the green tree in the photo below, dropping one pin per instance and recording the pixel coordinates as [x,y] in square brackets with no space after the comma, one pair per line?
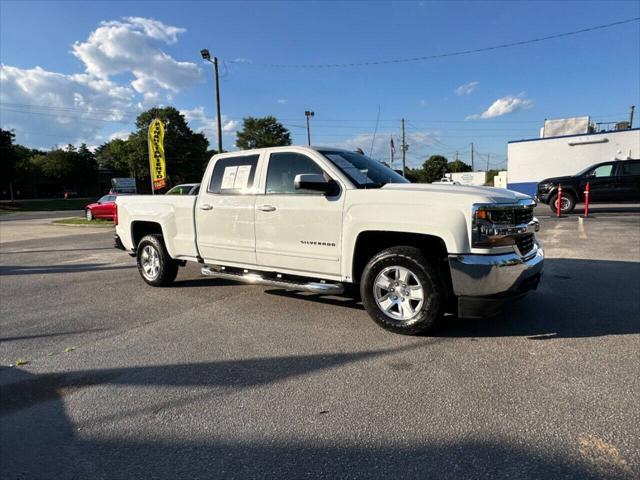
[27,174]
[117,156]
[72,167]
[56,164]
[8,159]
[262,132]
[433,168]
[458,166]
[415,175]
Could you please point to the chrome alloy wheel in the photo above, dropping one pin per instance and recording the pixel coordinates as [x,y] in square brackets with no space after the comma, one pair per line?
[150,261]
[398,293]
[564,203]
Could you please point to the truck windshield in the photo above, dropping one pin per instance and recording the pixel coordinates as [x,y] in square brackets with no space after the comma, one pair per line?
[363,171]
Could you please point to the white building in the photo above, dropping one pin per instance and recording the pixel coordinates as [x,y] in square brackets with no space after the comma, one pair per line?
[532,160]
[500,180]
[468,178]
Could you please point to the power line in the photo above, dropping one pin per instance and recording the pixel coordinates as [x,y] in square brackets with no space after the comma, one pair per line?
[58,115]
[416,123]
[441,55]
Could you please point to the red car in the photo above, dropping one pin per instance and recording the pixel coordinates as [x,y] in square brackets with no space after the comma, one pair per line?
[105,207]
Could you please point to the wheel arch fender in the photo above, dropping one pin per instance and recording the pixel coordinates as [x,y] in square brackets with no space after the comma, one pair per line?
[572,189]
[142,228]
[370,242]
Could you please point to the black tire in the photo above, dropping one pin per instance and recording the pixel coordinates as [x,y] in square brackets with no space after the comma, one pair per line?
[568,203]
[88,214]
[165,271]
[425,276]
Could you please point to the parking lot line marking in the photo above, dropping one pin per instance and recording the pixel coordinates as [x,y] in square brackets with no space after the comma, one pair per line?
[581,231]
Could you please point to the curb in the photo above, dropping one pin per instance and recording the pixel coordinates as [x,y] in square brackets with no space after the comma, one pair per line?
[80,225]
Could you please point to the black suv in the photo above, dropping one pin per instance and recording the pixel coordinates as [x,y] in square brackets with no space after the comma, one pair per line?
[609,182]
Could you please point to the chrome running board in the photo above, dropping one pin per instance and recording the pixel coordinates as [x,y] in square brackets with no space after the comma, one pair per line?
[245,277]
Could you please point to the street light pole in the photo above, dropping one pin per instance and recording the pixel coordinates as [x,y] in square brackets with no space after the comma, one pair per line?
[219,122]
[206,56]
[308,114]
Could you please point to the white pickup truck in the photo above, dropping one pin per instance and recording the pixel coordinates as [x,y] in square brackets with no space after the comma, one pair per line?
[321,219]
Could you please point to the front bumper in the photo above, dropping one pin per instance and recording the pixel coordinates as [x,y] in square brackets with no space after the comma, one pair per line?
[484,283]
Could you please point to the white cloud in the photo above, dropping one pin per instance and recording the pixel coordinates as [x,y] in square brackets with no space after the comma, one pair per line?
[154,29]
[47,108]
[504,106]
[466,89]
[199,122]
[120,134]
[130,46]
[282,101]
[72,108]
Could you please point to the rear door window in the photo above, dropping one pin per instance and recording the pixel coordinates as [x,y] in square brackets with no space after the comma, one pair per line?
[233,175]
[630,168]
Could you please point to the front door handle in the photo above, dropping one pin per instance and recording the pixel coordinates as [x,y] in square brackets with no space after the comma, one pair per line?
[266,208]
[206,206]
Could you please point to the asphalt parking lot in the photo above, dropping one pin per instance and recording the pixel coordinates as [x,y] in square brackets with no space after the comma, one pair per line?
[209,379]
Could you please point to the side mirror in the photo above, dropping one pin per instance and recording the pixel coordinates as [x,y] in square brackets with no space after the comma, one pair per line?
[316,182]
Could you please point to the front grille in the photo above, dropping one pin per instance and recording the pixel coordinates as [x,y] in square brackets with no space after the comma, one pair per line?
[523,215]
[515,216]
[524,243]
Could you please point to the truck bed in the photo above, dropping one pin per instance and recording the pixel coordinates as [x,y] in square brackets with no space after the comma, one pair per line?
[174,213]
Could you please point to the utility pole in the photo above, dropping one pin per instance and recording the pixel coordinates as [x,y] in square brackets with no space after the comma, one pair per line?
[207,56]
[308,114]
[404,152]
[456,155]
[488,161]
[472,168]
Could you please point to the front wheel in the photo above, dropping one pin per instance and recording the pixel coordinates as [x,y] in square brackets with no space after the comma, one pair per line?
[155,265]
[401,291]
[89,215]
[567,204]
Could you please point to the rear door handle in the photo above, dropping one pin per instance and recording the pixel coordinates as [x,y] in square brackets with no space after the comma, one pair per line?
[206,206]
[266,208]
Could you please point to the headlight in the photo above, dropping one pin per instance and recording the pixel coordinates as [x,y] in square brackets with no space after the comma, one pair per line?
[501,225]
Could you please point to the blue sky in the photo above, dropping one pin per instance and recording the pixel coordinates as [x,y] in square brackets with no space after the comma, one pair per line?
[80,71]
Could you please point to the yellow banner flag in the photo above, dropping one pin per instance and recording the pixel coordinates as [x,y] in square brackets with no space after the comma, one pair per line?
[156,154]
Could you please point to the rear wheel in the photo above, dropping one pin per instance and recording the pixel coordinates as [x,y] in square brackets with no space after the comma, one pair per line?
[401,291]
[155,265]
[89,215]
[567,204]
